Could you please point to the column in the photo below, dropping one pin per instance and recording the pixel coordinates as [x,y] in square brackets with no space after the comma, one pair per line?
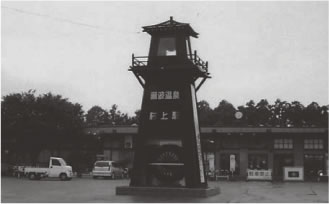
[298,149]
[243,162]
[270,160]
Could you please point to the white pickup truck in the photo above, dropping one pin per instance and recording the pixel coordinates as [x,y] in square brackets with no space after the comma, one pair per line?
[57,169]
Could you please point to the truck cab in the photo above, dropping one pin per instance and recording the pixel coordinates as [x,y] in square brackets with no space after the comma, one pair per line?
[58,166]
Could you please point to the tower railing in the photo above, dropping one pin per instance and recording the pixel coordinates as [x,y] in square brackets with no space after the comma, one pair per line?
[142,61]
[196,60]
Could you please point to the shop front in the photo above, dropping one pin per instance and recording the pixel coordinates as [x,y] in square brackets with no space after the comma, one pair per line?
[283,156]
[314,158]
[228,157]
[248,153]
[313,164]
[281,160]
[229,163]
[258,168]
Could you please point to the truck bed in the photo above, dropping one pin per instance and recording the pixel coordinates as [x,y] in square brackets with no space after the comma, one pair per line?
[36,169]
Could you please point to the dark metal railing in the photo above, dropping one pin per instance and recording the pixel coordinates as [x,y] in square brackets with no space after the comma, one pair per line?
[198,61]
[139,61]
[194,58]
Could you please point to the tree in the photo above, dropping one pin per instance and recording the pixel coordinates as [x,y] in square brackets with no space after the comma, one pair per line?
[206,114]
[295,114]
[324,116]
[35,123]
[280,113]
[97,115]
[312,114]
[15,110]
[242,121]
[250,113]
[262,113]
[135,119]
[116,117]
[224,113]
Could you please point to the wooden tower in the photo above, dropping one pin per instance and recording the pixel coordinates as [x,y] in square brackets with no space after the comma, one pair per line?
[168,147]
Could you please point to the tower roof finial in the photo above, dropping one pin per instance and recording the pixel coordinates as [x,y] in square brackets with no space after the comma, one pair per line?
[169,26]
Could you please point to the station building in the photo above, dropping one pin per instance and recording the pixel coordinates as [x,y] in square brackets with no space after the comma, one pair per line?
[253,149]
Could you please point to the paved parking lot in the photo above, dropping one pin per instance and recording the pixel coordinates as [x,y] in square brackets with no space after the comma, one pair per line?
[98,191]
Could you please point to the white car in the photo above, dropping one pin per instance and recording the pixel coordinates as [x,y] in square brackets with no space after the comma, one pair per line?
[109,169]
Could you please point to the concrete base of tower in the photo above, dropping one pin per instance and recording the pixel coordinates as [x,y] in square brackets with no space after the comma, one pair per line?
[167,191]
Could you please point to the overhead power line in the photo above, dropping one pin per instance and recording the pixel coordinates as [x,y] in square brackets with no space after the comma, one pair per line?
[66,20]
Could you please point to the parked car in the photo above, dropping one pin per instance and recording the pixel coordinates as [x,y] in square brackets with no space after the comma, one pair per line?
[107,169]
[57,169]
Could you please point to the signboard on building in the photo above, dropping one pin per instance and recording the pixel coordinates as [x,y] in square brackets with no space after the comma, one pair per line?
[293,173]
[264,175]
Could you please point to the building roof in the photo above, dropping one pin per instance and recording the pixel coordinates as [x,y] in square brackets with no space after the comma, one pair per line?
[205,130]
[170,25]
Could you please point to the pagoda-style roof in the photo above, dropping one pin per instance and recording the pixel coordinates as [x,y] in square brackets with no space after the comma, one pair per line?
[170,25]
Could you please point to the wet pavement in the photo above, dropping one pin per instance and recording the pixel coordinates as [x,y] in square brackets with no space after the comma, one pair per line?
[84,190]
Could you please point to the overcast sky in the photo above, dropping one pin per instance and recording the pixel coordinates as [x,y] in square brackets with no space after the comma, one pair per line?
[82,50]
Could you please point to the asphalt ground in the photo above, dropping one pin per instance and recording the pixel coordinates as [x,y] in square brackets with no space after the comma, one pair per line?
[84,190]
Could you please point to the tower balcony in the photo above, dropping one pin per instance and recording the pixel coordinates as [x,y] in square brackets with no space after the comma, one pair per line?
[191,59]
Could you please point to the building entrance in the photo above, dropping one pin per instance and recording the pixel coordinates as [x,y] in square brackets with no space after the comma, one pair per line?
[226,164]
[280,161]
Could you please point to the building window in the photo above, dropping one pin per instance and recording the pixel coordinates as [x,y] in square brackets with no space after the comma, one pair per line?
[283,144]
[313,144]
[167,47]
[55,162]
[257,162]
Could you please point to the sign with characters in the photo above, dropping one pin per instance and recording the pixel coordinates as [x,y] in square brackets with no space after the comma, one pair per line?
[173,115]
[164,95]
